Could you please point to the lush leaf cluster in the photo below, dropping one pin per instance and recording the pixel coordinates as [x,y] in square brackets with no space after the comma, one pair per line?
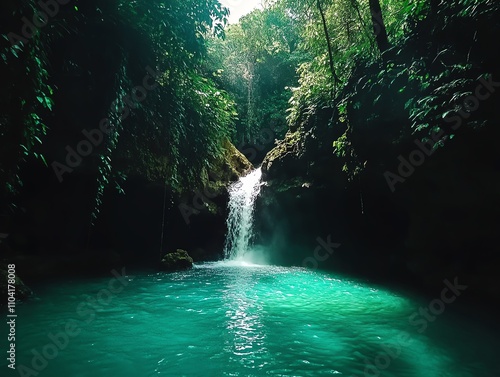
[106,48]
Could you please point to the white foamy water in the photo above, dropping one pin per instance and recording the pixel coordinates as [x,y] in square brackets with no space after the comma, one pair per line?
[242,195]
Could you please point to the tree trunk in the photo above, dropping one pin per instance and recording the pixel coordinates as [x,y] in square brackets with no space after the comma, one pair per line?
[379,27]
[328,42]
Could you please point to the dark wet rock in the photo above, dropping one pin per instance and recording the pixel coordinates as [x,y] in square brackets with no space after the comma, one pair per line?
[438,224]
[176,261]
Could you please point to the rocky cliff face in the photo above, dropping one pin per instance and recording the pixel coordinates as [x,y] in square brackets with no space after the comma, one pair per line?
[401,167]
[194,218]
[439,223]
[199,219]
[51,234]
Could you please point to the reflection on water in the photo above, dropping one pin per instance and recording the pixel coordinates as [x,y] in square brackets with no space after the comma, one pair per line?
[236,319]
[246,334]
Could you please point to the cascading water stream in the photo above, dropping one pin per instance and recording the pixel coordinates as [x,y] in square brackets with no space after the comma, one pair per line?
[242,195]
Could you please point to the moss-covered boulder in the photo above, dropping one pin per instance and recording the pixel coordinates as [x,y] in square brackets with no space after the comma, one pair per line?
[178,260]
[215,180]
[285,159]
[233,165]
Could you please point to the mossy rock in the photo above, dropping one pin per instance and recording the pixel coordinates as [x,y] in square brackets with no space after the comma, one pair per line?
[231,166]
[289,158]
[178,260]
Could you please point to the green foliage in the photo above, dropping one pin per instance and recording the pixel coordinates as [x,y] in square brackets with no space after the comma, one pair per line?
[180,126]
[185,120]
[381,105]
[350,28]
[343,148]
[284,57]
[256,64]
[26,96]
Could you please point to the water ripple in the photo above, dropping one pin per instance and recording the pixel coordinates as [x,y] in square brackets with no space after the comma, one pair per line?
[232,320]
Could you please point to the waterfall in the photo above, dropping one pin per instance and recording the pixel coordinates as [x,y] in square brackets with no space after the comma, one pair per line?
[242,195]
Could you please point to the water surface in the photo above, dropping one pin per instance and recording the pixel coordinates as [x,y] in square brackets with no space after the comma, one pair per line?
[232,319]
